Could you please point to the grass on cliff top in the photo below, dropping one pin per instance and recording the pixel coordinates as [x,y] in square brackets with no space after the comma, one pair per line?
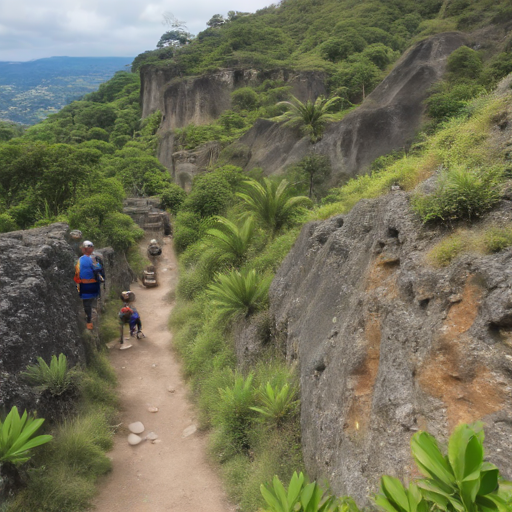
[462,142]
[481,240]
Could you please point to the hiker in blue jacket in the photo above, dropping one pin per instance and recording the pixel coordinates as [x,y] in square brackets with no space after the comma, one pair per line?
[89,274]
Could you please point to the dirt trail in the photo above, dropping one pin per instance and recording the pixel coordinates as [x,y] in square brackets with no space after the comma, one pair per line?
[172,474]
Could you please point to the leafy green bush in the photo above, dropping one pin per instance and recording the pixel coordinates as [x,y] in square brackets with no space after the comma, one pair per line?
[235,414]
[276,404]
[16,437]
[7,223]
[211,195]
[451,101]
[238,293]
[56,378]
[462,194]
[460,480]
[271,203]
[172,198]
[464,63]
[187,229]
[244,98]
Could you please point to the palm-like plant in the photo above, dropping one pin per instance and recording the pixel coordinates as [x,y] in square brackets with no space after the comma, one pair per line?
[311,117]
[56,378]
[230,240]
[16,442]
[277,404]
[239,293]
[271,202]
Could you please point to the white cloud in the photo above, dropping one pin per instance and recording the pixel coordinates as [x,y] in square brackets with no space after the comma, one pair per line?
[33,29]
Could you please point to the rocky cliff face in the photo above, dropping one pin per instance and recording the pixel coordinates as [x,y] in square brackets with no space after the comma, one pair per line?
[387,120]
[40,311]
[385,344]
[200,100]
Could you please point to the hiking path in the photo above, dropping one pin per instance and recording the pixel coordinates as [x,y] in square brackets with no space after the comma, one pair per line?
[171,473]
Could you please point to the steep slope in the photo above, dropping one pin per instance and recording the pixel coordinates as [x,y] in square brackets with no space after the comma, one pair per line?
[387,119]
[387,344]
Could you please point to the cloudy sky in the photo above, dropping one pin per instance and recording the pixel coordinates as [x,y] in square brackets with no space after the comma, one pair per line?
[34,29]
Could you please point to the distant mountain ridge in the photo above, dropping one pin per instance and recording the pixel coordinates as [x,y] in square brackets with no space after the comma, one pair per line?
[30,91]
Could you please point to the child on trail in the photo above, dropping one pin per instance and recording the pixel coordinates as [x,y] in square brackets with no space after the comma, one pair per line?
[128,314]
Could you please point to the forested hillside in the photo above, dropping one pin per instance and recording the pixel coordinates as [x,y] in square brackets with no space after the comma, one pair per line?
[30,91]
[234,228]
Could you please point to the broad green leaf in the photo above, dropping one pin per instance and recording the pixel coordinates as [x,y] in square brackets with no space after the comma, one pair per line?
[489,479]
[271,499]
[426,452]
[382,502]
[394,491]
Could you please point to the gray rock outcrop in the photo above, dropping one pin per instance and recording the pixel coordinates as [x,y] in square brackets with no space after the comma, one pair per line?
[386,344]
[387,120]
[39,305]
[41,313]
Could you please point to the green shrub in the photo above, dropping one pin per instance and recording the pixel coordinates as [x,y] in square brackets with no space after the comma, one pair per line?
[57,378]
[443,253]
[464,63]
[7,223]
[244,98]
[172,198]
[238,293]
[235,414]
[211,195]
[496,239]
[462,194]
[276,404]
[16,437]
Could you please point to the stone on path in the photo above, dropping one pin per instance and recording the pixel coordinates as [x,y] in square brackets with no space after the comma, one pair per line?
[170,389]
[124,346]
[137,427]
[134,439]
[189,431]
[153,409]
[152,436]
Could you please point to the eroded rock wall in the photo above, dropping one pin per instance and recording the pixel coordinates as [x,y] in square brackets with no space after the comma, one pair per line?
[387,120]
[386,344]
[41,313]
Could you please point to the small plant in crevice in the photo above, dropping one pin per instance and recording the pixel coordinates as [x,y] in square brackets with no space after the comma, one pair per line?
[56,378]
